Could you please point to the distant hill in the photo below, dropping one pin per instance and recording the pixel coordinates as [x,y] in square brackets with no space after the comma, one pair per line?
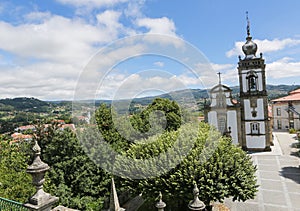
[274,91]
[24,104]
[36,105]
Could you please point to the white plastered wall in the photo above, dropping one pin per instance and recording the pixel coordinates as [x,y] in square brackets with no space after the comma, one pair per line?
[255,142]
[259,109]
[232,122]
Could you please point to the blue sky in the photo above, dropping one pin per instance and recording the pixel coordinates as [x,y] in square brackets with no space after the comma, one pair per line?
[45,45]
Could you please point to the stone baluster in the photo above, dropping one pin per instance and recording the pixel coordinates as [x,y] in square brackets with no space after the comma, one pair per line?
[196,204]
[160,205]
[40,201]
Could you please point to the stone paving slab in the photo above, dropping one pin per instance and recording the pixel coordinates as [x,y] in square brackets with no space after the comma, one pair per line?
[293,188]
[278,177]
[274,208]
[270,175]
[268,167]
[295,199]
[271,185]
[274,197]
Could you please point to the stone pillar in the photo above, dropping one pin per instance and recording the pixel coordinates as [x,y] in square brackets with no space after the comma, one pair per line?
[160,205]
[40,201]
[196,204]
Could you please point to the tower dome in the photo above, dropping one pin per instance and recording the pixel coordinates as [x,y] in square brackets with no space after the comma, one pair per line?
[249,48]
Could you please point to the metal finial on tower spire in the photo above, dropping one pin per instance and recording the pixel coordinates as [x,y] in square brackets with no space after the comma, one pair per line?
[248,24]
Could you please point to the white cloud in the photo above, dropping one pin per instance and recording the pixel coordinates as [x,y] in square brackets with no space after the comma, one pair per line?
[158,25]
[159,64]
[264,46]
[50,51]
[38,16]
[283,68]
[60,39]
[92,3]
[134,8]
[42,80]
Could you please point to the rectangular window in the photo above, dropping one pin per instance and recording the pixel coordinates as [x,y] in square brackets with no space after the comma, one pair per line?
[278,111]
[222,124]
[254,128]
[279,126]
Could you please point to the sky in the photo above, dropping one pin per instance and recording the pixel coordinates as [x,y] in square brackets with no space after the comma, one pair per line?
[55,49]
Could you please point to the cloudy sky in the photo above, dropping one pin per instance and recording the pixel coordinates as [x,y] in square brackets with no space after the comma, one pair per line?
[49,47]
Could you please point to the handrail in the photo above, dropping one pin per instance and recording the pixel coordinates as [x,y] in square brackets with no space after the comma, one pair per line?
[9,205]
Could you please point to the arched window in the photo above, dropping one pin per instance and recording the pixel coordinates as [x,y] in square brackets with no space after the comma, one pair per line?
[252,81]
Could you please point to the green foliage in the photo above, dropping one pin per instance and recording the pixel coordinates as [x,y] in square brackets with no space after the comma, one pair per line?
[162,107]
[108,130]
[73,177]
[24,103]
[15,183]
[221,170]
[292,130]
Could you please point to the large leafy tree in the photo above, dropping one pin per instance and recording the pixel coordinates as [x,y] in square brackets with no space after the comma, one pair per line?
[73,177]
[220,169]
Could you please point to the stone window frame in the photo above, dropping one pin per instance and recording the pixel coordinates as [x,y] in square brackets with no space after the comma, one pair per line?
[278,111]
[279,124]
[251,75]
[255,128]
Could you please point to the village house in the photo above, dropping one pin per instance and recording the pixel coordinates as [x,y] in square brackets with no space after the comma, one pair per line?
[286,111]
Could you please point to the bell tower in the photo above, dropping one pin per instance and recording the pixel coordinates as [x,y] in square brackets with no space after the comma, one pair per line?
[253,96]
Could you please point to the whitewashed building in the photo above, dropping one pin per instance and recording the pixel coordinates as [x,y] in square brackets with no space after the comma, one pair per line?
[224,112]
[286,111]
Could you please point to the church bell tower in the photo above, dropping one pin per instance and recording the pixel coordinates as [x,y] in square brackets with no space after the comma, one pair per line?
[253,97]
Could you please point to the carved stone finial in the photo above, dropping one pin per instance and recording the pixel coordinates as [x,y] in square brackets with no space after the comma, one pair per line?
[41,200]
[114,204]
[160,205]
[196,204]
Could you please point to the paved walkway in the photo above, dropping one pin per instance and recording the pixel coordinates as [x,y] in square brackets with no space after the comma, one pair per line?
[278,178]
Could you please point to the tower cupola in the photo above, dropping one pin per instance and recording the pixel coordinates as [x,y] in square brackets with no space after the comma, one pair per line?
[250,47]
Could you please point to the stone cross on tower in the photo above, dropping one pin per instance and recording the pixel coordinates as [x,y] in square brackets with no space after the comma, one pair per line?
[219,77]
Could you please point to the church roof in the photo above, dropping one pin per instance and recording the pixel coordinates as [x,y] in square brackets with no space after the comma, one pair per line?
[220,87]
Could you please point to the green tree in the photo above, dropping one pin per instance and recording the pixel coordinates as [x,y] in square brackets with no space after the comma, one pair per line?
[166,107]
[108,130]
[15,183]
[221,170]
[73,177]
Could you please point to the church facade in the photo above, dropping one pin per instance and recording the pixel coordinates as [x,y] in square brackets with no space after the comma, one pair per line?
[246,122]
